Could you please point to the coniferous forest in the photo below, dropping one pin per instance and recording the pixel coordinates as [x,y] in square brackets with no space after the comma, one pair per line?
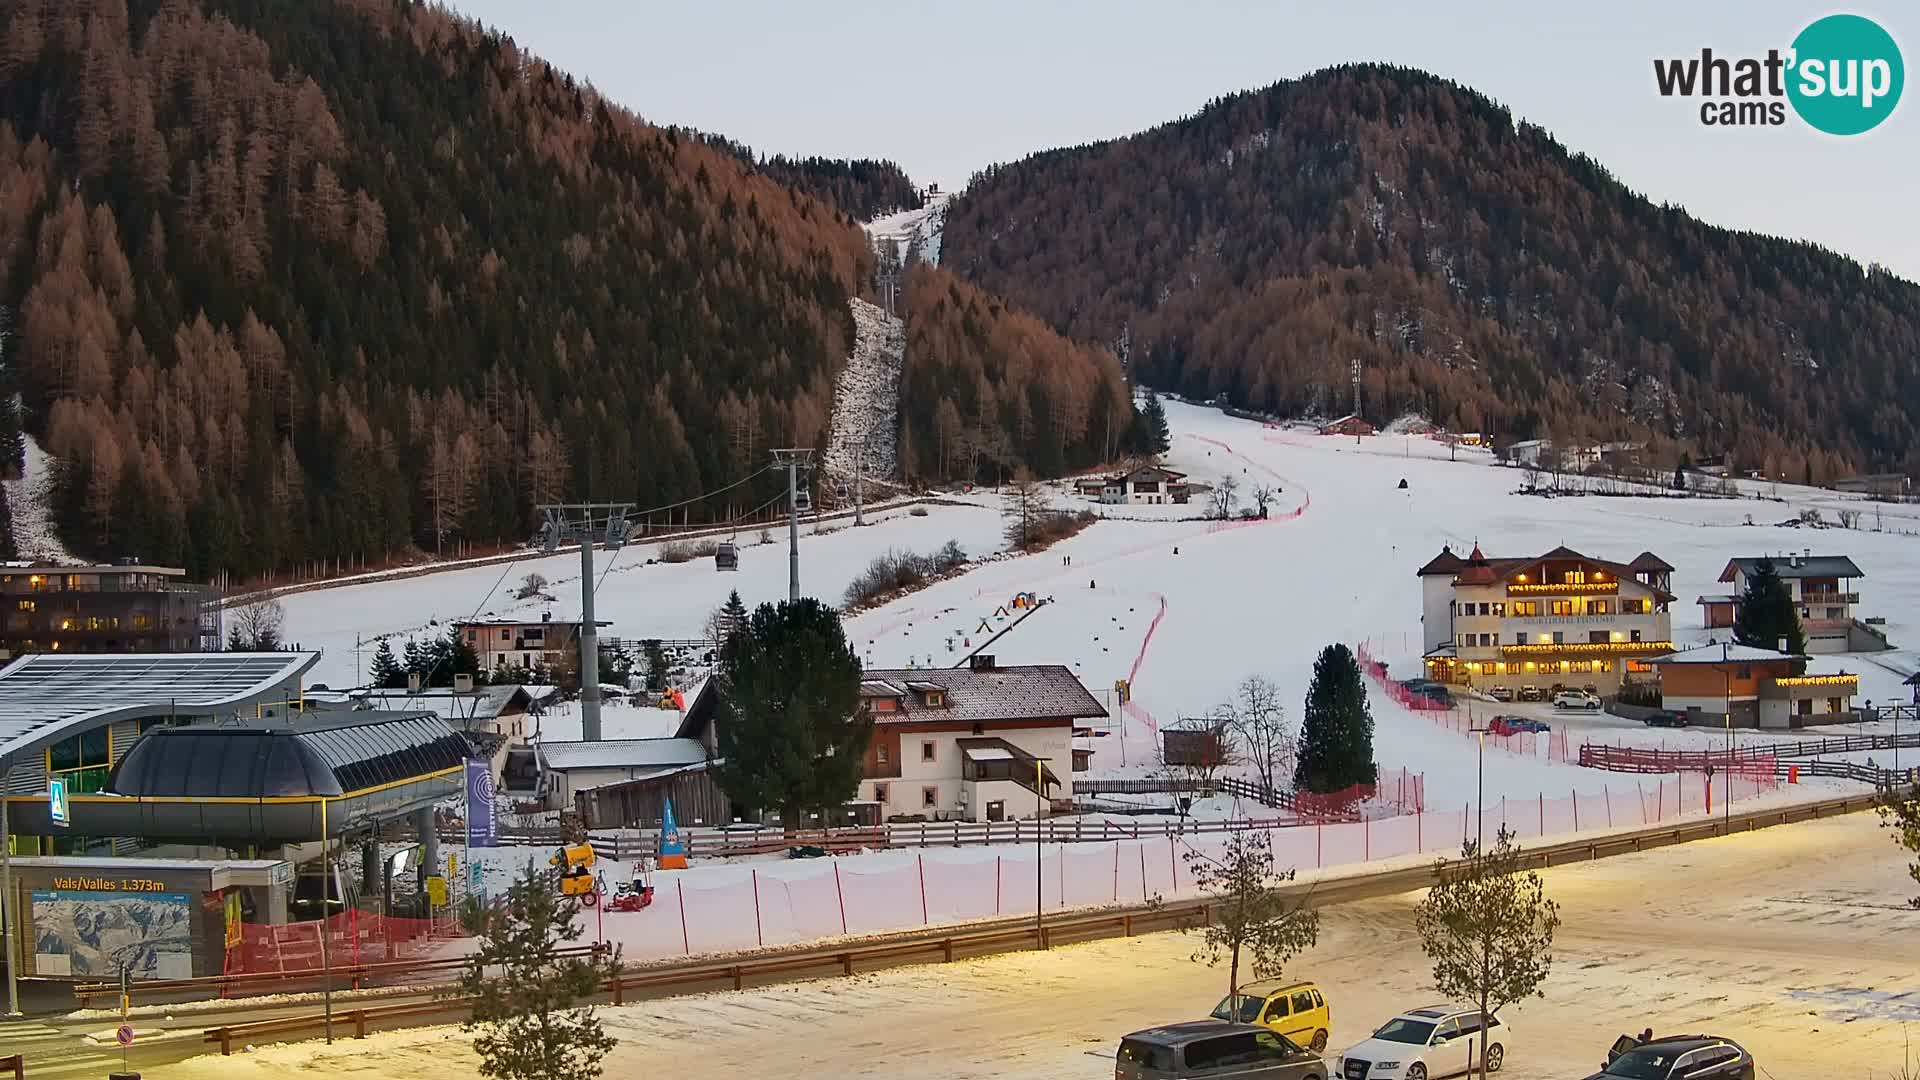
[338,280]
[1481,273]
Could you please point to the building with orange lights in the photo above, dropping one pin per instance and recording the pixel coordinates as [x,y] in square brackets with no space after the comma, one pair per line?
[1757,687]
[1558,619]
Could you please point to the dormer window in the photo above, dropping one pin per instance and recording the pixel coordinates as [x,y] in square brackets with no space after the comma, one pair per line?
[933,699]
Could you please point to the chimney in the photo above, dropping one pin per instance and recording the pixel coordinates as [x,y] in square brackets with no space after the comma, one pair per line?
[413,682]
[463,683]
[982,662]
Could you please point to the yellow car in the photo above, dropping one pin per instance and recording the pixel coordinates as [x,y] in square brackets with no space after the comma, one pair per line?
[1297,1010]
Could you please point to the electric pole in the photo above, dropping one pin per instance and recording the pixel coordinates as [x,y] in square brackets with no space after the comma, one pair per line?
[590,524]
[794,460]
[1356,402]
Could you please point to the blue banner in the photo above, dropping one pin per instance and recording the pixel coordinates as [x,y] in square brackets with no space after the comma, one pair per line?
[480,823]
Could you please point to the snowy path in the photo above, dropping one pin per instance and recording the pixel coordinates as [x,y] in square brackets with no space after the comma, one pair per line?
[866,398]
[28,497]
[1788,952]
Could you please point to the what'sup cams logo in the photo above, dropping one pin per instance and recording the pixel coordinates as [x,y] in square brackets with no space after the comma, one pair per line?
[1842,75]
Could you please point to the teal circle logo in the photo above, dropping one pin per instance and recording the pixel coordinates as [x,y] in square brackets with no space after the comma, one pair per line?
[1846,74]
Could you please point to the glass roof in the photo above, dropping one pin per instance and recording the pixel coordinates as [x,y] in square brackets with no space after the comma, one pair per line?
[250,762]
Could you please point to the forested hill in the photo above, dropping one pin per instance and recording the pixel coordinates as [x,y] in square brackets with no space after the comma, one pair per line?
[1482,274]
[284,282]
[863,188]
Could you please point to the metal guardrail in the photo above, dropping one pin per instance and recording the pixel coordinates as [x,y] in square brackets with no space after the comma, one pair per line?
[277,981]
[949,943]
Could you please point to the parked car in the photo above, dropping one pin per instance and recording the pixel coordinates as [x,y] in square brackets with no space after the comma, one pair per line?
[1500,693]
[1665,718]
[1436,1041]
[1213,1048]
[1530,693]
[1508,724]
[1575,699]
[1297,1010]
[1430,690]
[1695,1057]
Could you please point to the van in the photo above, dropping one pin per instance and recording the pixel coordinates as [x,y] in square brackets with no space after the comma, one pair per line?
[1297,1010]
[1211,1048]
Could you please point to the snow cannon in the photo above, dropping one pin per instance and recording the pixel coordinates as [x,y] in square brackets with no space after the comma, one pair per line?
[576,877]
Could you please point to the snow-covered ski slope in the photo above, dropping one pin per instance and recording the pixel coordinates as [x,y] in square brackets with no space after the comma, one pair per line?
[866,397]
[28,497]
[1336,562]
[916,230]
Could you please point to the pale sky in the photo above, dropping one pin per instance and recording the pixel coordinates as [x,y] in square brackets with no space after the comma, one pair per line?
[948,89]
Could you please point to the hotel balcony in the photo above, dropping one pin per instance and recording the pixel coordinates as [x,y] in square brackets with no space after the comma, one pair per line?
[1583,588]
[1585,650]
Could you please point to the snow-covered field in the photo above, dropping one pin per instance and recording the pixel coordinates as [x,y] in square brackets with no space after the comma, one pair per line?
[1791,950]
[1186,609]
[866,398]
[918,230]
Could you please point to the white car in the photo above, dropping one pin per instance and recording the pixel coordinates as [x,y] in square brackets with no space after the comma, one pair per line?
[1439,1040]
[1575,699]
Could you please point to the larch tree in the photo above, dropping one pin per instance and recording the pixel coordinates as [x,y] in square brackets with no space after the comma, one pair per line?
[1488,926]
[1259,922]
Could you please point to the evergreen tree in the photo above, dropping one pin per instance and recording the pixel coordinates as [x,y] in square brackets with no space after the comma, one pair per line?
[386,672]
[530,1018]
[1150,434]
[734,613]
[1680,474]
[414,660]
[1336,733]
[235,643]
[1765,615]
[791,730]
[457,658]
[656,664]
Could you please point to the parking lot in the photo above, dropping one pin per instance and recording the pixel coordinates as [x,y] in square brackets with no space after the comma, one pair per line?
[1795,941]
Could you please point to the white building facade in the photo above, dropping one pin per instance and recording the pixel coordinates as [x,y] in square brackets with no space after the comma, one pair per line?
[1558,619]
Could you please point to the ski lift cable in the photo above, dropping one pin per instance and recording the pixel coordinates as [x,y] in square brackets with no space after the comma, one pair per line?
[702,496]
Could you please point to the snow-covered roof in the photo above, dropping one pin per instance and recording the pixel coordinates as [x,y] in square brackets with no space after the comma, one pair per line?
[621,754]
[1718,598]
[989,753]
[1722,654]
[1798,566]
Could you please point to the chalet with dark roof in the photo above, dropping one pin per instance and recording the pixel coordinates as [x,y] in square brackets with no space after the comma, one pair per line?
[977,743]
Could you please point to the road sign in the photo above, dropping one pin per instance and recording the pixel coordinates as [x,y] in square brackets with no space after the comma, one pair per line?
[453,865]
[57,802]
[437,890]
[124,1035]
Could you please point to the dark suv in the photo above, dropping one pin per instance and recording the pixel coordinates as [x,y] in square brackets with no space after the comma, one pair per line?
[1666,718]
[1677,1057]
[1209,1048]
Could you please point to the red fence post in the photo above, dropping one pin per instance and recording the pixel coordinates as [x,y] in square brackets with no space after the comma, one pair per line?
[1116,873]
[1143,873]
[1543,813]
[1574,796]
[996,883]
[921,862]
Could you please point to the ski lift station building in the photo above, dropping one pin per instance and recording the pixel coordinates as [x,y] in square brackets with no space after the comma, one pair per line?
[196,784]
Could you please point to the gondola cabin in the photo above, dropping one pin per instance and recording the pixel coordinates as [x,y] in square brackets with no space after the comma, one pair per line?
[726,556]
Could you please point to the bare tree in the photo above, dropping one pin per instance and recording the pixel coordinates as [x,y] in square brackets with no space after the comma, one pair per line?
[1254,913]
[256,627]
[531,586]
[1258,720]
[1530,475]
[1263,497]
[1025,511]
[1488,927]
[1224,495]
